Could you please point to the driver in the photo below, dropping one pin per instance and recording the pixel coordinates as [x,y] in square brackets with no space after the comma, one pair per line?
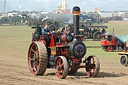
[45,30]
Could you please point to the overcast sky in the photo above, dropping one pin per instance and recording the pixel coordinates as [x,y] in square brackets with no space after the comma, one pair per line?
[49,5]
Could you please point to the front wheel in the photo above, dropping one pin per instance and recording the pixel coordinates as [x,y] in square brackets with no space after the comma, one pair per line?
[110,48]
[92,66]
[61,67]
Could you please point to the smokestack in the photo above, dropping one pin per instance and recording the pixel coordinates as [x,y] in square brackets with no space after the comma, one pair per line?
[76,13]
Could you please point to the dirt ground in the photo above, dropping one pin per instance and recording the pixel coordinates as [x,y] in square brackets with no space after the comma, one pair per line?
[15,72]
[14,67]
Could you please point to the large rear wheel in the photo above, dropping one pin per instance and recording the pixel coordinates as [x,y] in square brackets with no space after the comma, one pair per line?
[97,35]
[61,67]
[92,66]
[37,58]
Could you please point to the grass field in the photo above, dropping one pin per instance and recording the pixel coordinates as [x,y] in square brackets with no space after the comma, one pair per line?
[14,44]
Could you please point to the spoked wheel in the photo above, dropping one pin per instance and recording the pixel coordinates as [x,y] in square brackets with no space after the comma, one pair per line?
[124,60]
[61,67]
[37,58]
[97,35]
[110,48]
[93,66]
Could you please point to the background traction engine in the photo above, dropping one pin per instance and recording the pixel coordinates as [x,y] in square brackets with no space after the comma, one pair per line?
[62,51]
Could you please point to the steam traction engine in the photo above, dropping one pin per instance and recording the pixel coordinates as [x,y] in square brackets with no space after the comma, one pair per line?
[61,51]
[110,42]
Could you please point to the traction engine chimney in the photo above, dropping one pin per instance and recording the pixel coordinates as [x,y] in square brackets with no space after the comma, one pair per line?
[76,13]
[76,48]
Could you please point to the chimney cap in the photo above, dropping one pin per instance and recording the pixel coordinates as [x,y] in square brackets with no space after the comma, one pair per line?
[76,8]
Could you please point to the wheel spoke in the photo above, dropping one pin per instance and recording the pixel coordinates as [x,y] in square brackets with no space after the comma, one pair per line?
[33,50]
[59,60]
[58,73]
[36,52]
[31,59]
[57,68]
[37,65]
[89,73]
[38,60]
[36,48]
[34,67]
[61,64]
[91,70]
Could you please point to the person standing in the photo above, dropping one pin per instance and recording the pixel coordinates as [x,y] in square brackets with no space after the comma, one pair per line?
[45,30]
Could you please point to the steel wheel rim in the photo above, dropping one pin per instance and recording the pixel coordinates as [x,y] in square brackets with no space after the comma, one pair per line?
[98,36]
[33,59]
[59,68]
[91,67]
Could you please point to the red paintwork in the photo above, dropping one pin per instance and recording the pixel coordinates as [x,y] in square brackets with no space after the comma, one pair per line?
[60,44]
[52,42]
[81,39]
[105,42]
[64,52]
[76,60]
[33,39]
[64,38]
[41,40]
[76,63]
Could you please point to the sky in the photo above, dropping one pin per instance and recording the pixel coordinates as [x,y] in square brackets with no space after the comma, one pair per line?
[50,5]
